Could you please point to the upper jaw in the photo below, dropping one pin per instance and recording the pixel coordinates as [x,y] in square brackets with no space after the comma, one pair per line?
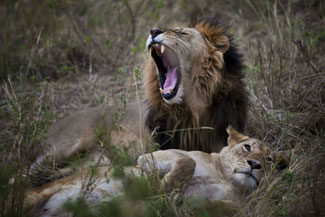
[168,67]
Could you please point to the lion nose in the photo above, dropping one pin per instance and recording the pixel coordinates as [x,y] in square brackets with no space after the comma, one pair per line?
[254,164]
[156,31]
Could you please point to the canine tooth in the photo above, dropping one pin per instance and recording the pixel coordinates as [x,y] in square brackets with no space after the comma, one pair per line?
[170,91]
[162,91]
[162,49]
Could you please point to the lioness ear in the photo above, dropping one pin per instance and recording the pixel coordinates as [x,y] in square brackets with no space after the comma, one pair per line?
[235,137]
[214,34]
[282,160]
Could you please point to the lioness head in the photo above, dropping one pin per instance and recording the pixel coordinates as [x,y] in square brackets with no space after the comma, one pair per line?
[247,160]
[187,64]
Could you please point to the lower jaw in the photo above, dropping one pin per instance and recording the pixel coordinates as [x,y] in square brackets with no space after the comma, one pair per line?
[177,99]
[168,97]
[171,95]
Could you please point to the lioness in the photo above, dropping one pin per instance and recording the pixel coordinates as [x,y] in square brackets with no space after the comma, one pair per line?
[194,91]
[228,175]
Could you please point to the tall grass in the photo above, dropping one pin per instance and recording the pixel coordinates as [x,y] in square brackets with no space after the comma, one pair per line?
[287,88]
[71,37]
[27,120]
[62,56]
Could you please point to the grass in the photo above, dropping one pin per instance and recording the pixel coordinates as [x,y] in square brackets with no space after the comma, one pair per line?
[27,120]
[58,57]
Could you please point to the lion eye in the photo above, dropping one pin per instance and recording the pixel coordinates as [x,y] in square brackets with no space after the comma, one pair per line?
[269,159]
[247,147]
[179,31]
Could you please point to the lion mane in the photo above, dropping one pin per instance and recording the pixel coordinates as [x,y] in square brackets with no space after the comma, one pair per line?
[218,96]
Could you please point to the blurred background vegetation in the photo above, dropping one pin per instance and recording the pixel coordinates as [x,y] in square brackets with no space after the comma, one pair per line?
[61,56]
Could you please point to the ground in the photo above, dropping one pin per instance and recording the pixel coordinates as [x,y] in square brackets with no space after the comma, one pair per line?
[59,57]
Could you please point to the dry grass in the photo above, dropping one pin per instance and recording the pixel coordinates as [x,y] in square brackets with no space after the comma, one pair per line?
[63,56]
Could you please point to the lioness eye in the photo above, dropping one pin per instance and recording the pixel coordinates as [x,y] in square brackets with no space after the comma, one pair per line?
[269,159]
[247,147]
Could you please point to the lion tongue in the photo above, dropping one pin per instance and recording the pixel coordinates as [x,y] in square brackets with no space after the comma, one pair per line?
[171,79]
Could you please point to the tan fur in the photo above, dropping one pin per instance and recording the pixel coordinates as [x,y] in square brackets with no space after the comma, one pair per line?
[209,177]
[206,75]
[77,133]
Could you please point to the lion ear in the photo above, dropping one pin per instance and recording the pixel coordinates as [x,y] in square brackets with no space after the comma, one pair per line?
[234,136]
[282,160]
[214,34]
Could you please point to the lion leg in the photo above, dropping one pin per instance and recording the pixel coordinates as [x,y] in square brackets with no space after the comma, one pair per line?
[60,151]
[69,136]
[182,170]
[81,132]
[94,159]
[173,164]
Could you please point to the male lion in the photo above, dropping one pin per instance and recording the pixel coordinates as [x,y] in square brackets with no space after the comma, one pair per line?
[228,175]
[194,91]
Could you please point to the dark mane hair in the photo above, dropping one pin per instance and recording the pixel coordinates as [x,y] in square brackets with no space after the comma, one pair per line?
[177,126]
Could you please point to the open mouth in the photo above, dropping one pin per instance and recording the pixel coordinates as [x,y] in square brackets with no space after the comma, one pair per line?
[168,67]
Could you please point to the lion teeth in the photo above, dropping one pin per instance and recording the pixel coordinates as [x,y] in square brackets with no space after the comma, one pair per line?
[162,91]
[156,47]
[162,49]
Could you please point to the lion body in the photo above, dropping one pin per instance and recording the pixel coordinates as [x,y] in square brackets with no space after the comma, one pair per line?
[227,175]
[213,93]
